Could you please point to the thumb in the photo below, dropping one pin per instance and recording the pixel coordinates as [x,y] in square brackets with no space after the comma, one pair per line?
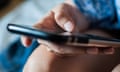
[116,69]
[65,24]
[63,18]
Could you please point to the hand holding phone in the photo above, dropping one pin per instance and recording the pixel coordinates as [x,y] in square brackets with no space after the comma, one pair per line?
[74,39]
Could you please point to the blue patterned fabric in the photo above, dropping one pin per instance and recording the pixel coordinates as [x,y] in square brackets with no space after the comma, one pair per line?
[101,13]
[14,58]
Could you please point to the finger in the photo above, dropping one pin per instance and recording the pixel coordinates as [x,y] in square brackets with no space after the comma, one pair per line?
[62,49]
[70,50]
[106,50]
[76,50]
[26,41]
[48,23]
[63,18]
[92,50]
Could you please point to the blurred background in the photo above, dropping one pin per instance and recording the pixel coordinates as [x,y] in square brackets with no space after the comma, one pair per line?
[24,12]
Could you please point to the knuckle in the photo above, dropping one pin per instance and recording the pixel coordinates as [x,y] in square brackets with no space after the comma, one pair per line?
[59,15]
[64,5]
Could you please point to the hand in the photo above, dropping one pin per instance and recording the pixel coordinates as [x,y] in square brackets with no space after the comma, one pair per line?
[62,19]
[42,60]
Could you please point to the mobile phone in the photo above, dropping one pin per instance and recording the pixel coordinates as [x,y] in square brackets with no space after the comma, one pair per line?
[74,39]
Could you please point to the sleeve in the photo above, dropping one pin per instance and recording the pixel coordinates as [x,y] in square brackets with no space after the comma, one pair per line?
[100,13]
[15,56]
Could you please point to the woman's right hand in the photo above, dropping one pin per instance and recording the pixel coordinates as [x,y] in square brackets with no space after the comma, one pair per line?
[63,18]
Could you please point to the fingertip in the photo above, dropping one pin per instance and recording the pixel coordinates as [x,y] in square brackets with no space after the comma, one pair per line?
[38,40]
[26,41]
[109,50]
[92,51]
[69,26]
[64,19]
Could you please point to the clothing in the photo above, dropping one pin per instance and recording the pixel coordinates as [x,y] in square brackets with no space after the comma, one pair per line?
[14,58]
[101,13]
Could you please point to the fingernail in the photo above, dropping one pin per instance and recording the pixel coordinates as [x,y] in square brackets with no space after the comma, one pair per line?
[50,50]
[68,26]
[109,51]
[92,50]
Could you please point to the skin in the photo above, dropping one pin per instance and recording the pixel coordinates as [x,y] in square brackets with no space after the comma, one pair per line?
[43,60]
[51,57]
